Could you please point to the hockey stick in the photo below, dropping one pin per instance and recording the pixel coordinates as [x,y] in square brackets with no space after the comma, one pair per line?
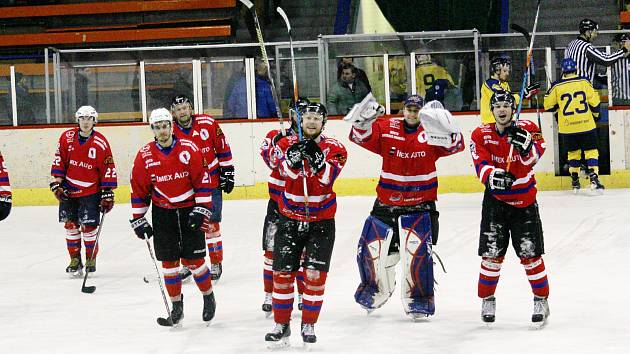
[525,34]
[261,41]
[159,279]
[525,74]
[91,289]
[295,98]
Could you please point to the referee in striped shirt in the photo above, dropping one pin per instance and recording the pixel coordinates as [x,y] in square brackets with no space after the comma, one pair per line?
[586,56]
[621,74]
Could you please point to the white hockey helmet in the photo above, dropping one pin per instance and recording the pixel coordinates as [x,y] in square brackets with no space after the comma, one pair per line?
[86,111]
[160,115]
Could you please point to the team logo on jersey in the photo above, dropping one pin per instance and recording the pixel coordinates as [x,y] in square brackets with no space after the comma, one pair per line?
[473,150]
[205,163]
[70,134]
[537,136]
[422,137]
[204,134]
[395,197]
[219,131]
[109,160]
[341,159]
[184,157]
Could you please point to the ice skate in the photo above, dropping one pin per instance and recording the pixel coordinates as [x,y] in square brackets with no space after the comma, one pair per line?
[541,312]
[185,273]
[90,265]
[575,182]
[421,309]
[267,305]
[279,336]
[488,309]
[209,306]
[177,315]
[75,268]
[215,272]
[308,334]
[596,186]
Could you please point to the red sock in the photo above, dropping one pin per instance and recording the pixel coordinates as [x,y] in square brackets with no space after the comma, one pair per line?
[537,276]
[73,239]
[489,276]
[200,273]
[313,297]
[268,272]
[283,296]
[215,243]
[173,282]
[299,280]
[89,238]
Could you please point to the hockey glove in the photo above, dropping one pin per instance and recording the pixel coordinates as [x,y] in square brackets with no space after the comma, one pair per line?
[294,156]
[532,90]
[313,155]
[5,206]
[107,200]
[500,180]
[199,218]
[226,179]
[59,191]
[520,138]
[364,113]
[142,228]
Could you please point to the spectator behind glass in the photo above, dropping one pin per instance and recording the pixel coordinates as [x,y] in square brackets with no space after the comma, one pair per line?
[24,101]
[236,106]
[346,91]
[621,74]
[360,74]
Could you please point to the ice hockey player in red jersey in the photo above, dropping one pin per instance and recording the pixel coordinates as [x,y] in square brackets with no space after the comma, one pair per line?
[307,205]
[403,224]
[172,174]
[205,132]
[85,179]
[275,184]
[509,209]
[5,190]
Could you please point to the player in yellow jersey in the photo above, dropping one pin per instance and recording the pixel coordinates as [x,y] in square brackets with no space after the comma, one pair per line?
[427,72]
[500,68]
[576,106]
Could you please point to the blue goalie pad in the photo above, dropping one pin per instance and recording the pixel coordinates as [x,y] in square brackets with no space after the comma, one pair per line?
[375,266]
[417,263]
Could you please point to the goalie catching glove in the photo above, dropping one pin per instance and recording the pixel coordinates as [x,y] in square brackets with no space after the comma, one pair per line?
[439,125]
[363,114]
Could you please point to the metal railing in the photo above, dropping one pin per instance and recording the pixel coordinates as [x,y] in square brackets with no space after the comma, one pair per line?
[124,84]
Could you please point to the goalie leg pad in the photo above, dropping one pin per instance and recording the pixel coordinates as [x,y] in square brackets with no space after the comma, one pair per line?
[417,263]
[376,267]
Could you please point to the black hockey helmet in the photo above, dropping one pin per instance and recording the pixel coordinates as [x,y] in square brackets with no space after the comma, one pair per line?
[498,62]
[301,102]
[502,96]
[180,99]
[315,107]
[588,25]
[621,37]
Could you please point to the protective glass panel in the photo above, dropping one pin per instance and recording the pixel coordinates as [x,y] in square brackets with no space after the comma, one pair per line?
[165,81]
[307,71]
[224,88]
[6,116]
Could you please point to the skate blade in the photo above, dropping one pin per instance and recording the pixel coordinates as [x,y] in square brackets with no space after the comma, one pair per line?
[208,323]
[268,314]
[538,325]
[307,347]
[77,274]
[419,317]
[282,344]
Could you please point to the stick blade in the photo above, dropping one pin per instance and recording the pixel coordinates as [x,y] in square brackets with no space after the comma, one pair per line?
[247,3]
[284,17]
[88,289]
[520,29]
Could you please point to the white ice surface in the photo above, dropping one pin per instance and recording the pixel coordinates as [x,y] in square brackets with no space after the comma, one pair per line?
[587,242]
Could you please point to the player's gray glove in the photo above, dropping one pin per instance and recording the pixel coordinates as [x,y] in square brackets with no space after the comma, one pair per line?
[363,114]
[500,179]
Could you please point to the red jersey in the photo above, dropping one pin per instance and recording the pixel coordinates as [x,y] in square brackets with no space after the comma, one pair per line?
[490,150]
[172,178]
[5,187]
[208,136]
[408,174]
[275,182]
[87,166]
[322,201]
